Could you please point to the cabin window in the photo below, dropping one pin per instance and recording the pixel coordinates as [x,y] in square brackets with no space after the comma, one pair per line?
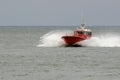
[78,32]
[81,32]
[89,33]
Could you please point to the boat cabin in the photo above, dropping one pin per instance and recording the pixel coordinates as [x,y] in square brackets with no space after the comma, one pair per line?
[83,32]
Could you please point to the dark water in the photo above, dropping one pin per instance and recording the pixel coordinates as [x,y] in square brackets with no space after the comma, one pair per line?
[21,59]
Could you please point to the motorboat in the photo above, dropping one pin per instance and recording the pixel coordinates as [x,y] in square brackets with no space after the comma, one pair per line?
[78,35]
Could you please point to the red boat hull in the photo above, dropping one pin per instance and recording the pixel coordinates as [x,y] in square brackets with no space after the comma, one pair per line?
[70,40]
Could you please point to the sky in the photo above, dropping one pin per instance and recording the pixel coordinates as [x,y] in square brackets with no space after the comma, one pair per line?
[59,12]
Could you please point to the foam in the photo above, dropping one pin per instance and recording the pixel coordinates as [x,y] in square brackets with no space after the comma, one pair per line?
[53,39]
[103,40]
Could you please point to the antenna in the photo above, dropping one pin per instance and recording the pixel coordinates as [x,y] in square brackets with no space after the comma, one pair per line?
[82,26]
[82,17]
[82,21]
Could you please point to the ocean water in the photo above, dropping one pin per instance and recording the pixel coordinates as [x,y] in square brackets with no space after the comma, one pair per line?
[36,53]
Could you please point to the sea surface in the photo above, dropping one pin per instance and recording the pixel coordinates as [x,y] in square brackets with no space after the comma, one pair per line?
[37,53]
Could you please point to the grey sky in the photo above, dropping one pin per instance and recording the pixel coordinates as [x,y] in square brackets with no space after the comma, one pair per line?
[59,12]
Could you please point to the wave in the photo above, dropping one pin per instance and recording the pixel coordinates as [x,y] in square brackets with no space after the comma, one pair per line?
[103,40]
[53,39]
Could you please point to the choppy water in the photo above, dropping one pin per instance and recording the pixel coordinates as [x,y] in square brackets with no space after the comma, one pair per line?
[23,58]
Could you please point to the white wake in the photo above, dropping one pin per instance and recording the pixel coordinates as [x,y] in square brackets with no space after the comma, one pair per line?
[53,39]
[103,40]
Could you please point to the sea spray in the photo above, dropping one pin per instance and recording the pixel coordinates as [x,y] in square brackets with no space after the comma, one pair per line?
[53,39]
[103,40]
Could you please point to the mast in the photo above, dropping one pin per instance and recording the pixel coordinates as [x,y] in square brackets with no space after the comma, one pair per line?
[82,26]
